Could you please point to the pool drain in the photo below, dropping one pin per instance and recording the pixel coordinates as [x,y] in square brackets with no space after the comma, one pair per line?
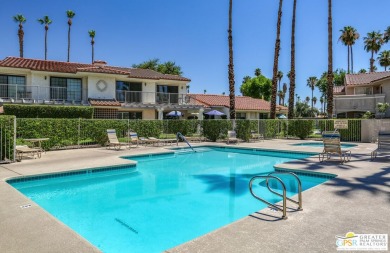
[126,225]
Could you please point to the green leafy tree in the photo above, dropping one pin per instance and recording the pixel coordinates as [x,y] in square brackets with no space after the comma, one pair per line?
[382,108]
[303,110]
[92,35]
[311,82]
[386,35]
[362,71]
[384,59]
[45,21]
[257,87]
[348,37]
[276,62]
[19,18]
[70,14]
[373,43]
[168,67]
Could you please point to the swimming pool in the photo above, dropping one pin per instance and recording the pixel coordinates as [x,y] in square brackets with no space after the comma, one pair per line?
[320,144]
[163,201]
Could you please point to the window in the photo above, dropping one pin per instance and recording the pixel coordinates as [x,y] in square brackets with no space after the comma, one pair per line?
[240,115]
[65,89]
[363,90]
[129,115]
[13,87]
[263,115]
[167,94]
[128,92]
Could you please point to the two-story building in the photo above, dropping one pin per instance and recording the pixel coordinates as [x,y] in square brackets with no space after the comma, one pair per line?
[114,92]
[361,93]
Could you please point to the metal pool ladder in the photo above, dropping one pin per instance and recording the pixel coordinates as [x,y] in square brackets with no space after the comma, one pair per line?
[285,198]
[181,136]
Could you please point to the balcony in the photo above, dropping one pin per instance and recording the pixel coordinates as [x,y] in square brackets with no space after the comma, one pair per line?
[139,97]
[38,94]
[357,103]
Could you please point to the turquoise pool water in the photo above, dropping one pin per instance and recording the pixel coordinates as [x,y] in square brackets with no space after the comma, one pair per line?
[162,202]
[320,144]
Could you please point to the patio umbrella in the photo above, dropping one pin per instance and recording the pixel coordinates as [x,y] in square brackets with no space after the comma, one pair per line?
[174,113]
[215,113]
[282,116]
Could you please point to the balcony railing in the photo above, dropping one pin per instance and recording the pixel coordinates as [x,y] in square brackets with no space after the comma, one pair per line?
[361,102]
[37,93]
[152,97]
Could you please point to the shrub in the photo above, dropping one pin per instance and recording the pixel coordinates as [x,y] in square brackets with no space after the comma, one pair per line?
[186,127]
[214,129]
[48,111]
[243,128]
[300,128]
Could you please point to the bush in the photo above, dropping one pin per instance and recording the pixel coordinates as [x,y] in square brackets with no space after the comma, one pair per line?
[214,129]
[7,137]
[243,128]
[48,111]
[300,128]
[186,127]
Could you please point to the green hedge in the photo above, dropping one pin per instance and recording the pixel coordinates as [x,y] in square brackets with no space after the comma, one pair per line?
[215,129]
[186,127]
[244,128]
[300,128]
[48,111]
[7,138]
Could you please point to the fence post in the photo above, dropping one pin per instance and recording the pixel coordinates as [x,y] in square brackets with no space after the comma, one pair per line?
[78,137]
[14,151]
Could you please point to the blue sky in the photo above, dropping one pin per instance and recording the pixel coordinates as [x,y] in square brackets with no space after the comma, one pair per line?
[193,33]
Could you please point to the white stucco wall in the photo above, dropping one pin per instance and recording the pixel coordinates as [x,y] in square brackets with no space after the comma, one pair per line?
[94,92]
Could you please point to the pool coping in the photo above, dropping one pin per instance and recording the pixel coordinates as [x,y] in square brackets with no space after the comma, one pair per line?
[74,241]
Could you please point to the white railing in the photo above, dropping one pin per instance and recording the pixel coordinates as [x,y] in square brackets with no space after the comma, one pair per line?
[152,97]
[361,102]
[39,94]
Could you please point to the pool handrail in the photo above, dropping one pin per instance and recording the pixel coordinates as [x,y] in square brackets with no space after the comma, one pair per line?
[284,216]
[181,136]
[299,202]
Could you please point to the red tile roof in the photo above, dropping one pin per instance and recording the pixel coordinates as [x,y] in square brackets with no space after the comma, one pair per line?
[71,67]
[365,78]
[103,102]
[338,89]
[242,102]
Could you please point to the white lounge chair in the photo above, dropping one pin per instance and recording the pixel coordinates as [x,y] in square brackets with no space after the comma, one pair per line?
[232,137]
[332,145]
[24,149]
[113,140]
[383,144]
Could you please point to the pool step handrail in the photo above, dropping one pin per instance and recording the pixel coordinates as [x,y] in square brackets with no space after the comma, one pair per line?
[181,136]
[284,196]
[299,202]
[283,210]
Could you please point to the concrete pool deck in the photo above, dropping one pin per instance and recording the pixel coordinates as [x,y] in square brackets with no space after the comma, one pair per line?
[357,200]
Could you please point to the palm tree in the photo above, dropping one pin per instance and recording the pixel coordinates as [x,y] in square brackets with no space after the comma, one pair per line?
[348,37]
[232,96]
[257,72]
[307,99]
[311,82]
[280,95]
[92,34]
[362,71]
[19,18]
[246,79]
[322,100]
[314,100]
[384,59]
[284,91]
[291,73]
[276,61]
[70,14]
[373,43]
[283,96]
[330,62]
[386,35]
[204,91]
[280,76]
[45,21]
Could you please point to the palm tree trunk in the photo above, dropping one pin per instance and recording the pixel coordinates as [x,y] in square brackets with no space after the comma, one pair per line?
[351,60]
[330,62]
[348,60]
[21,35]
[231,66]
[46,28]
[292,69]
[93,51]
[276,61]
[69,43]
[312,91]
[372,61]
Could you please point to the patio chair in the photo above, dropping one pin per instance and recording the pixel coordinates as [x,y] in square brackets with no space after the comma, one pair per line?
[332,145]
[256,136]
[24,149]
[134,139]
[113,140]
[383,144]
[232,137]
